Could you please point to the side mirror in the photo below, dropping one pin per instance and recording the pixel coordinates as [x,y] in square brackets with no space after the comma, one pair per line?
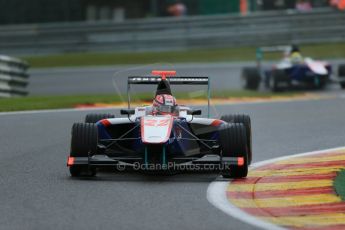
[195,112]
[127,111]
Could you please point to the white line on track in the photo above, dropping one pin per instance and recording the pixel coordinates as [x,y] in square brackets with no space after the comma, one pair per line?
[216,193]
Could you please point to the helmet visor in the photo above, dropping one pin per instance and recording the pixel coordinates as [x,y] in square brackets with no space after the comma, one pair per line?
[166,109]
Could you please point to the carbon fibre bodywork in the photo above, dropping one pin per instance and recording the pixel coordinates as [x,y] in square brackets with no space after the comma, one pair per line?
[124,137]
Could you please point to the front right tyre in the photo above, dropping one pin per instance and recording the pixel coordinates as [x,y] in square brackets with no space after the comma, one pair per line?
[95,117]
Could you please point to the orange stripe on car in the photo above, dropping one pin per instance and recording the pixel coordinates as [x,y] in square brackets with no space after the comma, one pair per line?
[216,123]
[105,122]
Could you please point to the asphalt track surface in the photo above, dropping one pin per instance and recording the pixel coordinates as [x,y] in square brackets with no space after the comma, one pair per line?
[98,80]
[36,191]
[113,79]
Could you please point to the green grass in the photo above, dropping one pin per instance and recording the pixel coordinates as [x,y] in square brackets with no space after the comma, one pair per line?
[339,184]
[250,94]
[51,102]
[57,102]
[322,51]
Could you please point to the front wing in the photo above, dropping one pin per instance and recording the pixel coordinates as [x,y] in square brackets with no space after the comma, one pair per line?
[208,163]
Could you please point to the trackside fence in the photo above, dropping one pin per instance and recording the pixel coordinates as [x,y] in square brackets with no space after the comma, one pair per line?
[256,29]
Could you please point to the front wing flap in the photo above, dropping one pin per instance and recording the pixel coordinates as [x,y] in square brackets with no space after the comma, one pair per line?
[209,163]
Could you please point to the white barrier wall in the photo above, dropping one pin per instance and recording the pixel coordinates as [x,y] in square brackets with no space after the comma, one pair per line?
[13,77]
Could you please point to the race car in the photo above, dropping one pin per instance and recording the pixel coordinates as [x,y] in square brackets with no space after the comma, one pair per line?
[292,72]
[162,137]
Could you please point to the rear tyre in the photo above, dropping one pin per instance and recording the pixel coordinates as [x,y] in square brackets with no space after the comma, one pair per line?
[245,120]
[233,142]
[279,80]
[251,78]
[93,118]
[341,75]
[83,144]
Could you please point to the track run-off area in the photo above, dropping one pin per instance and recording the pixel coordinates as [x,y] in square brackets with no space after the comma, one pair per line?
[113,79]
[294,192]
[37,192]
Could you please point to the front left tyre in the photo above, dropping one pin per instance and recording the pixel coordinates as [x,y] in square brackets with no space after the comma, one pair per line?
[233,143]
[245,120]
[83,144]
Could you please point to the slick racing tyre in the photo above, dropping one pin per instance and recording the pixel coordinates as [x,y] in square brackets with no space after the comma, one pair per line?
[94,117]
[251,78]
[279,80]
[233,143]
[245,120]
[341,74]
[84,143]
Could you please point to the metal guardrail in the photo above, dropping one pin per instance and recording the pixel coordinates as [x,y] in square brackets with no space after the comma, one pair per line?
[256,29]
[13,77]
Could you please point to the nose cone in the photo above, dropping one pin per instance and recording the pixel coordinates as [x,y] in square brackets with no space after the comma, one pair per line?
[156,129]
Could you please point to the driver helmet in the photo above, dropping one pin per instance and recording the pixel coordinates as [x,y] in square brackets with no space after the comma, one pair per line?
[295,48]
[164,104]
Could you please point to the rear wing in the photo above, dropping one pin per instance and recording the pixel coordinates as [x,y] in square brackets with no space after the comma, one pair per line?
[152,80]
[260,51]
[175,80]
